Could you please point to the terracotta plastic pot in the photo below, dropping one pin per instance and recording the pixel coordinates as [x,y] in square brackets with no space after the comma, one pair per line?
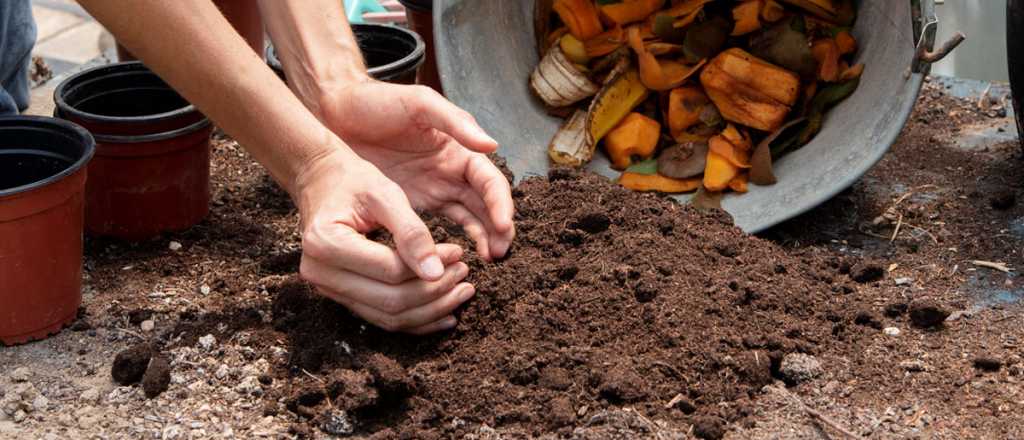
[42,180]
[1015,53]
[420,14]
[151,173]
[244,15]
[392,54]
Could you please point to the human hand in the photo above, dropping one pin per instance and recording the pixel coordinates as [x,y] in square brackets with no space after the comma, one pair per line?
[414,289]
[432,149]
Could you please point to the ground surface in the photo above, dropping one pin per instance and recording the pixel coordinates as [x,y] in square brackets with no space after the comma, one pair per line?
[618,316]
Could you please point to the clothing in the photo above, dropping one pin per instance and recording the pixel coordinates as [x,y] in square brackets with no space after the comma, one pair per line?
[17,37]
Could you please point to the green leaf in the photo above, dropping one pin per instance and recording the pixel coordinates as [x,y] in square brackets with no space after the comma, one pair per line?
[648,167]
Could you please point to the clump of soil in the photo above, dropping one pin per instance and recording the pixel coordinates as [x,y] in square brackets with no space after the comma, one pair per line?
[130,365]
[609,299]
[927,313]
[157,377]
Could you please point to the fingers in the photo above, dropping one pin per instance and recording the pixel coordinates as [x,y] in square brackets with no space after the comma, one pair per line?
[446,323]
[426,317]
[344,248]
[415,245]
[387,298]
[441,114]
[473,226]
[494,191]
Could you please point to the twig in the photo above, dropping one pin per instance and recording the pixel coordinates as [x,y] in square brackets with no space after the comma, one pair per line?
[819,417]
[314,377]
[991,265]
[896,232]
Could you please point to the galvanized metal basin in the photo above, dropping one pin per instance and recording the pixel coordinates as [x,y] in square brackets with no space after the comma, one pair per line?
[486,51]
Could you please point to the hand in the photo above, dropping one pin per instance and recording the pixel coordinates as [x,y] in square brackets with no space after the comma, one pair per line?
[433,150]
[414,289]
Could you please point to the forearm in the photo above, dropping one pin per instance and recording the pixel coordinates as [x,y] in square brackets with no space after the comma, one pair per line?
[316,47]
[193,47]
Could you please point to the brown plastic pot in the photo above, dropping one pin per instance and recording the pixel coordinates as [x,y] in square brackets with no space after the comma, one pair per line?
[244,16]
[392,54]
[42,180]
[151,173]
[420,14]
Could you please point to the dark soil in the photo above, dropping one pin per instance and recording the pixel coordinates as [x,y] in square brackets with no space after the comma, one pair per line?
[157,377]
[130,365]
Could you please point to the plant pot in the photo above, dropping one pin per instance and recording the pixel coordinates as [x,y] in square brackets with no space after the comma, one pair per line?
[1015,55]
[244,16]
[151,173]
[420,14]
[42,181]
[392,54]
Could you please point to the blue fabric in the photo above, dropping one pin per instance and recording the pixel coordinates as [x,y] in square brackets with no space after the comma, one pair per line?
[17,36]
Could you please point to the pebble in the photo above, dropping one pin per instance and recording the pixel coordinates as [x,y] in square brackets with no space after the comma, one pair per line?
[891,331]
[207,342]
[913,366]
[40,403]
[798,368]
[172,432]
[147,325]
[174,246]
[21,374]
[249,386]
[204,289]
[65,419]
[222,372]
[19,416]
[903,281]
[337,423]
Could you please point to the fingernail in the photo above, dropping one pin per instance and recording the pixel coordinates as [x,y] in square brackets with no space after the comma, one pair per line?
[432,267]
[467,293]
[449,323]
[481,133]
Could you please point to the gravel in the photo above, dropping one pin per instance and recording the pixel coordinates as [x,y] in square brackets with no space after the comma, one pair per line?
[798,368]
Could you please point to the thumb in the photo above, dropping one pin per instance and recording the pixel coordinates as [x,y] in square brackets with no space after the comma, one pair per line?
[455,122]
[415,245]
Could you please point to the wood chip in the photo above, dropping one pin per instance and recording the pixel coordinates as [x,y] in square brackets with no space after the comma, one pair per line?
[1002,267]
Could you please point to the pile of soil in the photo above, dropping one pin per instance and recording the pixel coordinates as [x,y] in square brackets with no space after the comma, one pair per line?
[605,302]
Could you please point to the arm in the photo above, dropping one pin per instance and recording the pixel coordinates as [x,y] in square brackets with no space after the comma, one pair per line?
[340,195]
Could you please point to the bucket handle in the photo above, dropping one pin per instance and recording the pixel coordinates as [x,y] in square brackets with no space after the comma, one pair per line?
[926,24]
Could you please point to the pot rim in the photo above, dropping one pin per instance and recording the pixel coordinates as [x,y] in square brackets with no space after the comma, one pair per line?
[42,123]
[104,72]
[414,59]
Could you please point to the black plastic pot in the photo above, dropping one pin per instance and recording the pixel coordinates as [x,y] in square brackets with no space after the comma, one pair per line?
[392,54]
[1015,56]
[42,183]
[420,14]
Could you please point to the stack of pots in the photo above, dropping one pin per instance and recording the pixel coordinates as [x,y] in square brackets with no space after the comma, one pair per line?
[151,173]
[420,15]
[42,184]
[392,54]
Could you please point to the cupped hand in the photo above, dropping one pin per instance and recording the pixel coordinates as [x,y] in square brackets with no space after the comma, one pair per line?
[413,289]
[433,150]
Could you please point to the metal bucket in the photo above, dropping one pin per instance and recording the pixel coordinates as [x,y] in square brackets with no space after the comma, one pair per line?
[487,50]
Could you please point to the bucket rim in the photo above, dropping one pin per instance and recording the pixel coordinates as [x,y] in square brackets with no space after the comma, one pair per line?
[385,72]
[104,72]
[43,123]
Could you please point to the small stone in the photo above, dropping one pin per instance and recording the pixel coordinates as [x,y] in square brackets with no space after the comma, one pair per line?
[21,374]
[90,396]
[204,289]
[222,372]
[891,331]
[926,313]
[249,386]
[19,416]
[172,432]
[207,342]
[903,281]
[336,422]
[40,403]
[914,366]
[147,325]
[174,246]
[988,364]
[797,368]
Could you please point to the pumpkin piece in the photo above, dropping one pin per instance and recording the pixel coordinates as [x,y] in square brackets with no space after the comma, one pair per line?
[658,75]
[605,42]
[684,108]
[613,103]
[852,72]
[736,156]
[574,49]
[580,16]
[747,16]
[772,11]
[636,135]
[737,138]
[718,172]
[687,19]
[556,36]
[826,51]
[847,44]
[739,183]
[572,144]
[749,91]
[658,183]
[630,11]
[686,7]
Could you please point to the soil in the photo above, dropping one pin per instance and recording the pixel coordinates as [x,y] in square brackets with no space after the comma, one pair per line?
[617,315]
